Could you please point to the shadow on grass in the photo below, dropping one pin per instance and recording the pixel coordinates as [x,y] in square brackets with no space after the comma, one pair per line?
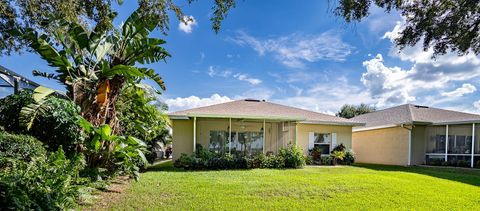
[467,176]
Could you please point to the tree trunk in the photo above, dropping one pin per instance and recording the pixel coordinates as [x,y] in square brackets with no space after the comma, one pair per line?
[102,109]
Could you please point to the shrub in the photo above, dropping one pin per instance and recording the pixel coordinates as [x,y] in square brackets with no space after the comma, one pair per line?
[316,153]
[308,160]
[44,183]
[10,108]
[184,161]
[57,125]
[326,160]
[293,156]
[21,147]
[273,161]
[349,158]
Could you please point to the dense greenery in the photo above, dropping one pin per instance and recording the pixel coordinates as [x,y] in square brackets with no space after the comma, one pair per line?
[20,147]
[142,116]
[98,15]
[288,157]
[358,187]
[443,25]
[350,111]
[55,123]
[339,155]
[10,108]
[31,178]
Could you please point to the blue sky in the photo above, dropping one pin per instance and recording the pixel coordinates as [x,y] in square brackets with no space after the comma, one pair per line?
[297,54]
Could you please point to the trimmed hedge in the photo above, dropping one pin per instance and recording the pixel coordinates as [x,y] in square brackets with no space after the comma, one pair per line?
[21,147]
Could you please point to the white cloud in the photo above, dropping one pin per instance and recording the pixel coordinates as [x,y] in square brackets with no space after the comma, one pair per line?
[425,81]
[295,50]
[465,89]
[245,77]
[212,72]
[187,24]
[179,103]
[476,104]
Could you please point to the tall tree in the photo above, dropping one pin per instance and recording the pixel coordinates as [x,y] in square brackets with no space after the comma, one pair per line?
[95,15]
[350,111]
[444,25]
[96,66]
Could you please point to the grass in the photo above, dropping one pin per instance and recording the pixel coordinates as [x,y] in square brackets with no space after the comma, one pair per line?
[360,187]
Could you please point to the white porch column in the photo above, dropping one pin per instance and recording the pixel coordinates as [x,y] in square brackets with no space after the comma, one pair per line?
[446,143]
[264,132]
[194,134]
[230,135]
[473,145]
[409,147]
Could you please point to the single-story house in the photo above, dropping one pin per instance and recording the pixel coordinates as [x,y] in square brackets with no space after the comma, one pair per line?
[415,135]
[250,126]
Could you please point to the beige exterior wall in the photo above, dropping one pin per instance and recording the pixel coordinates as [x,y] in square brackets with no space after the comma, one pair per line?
[182,136]
[381,146]
[277,134]
[418,145]
[344,134]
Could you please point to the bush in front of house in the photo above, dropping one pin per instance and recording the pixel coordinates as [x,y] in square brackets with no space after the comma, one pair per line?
[292,156]
[289,157]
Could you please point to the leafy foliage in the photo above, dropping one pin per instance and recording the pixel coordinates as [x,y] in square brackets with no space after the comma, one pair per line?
[49,119]
[108,154]
[140,117]
[289,157]
[293,156]
[443,24]
[21,147]
[44,183]
[57,125]
[350,111]
[10,108]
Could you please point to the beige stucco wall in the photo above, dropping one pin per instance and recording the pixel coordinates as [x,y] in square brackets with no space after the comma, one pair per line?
[382,146]
[344,134]
[182,137]
[418,145]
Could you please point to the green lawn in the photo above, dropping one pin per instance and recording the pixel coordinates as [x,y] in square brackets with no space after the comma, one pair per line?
[345,187]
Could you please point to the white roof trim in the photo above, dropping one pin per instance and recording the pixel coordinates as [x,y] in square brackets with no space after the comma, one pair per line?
[375,128]
[332,123]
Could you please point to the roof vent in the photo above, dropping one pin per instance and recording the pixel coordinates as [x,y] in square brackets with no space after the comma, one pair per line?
[252,100]
[419,106]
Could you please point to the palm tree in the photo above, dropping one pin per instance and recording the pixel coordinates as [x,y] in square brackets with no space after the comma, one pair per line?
[95,67]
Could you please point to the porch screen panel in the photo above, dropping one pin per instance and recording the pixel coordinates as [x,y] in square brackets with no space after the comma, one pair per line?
[436,139]
[460,139]
[218,141]
[477,139]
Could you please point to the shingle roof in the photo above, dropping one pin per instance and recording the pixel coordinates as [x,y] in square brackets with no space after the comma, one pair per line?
[257,109]
[409,114]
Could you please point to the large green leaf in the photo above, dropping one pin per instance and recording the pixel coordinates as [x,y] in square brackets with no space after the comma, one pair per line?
[123,70]
[41,92]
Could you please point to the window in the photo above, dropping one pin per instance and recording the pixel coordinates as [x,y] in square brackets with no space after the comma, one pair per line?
[243,143]
[247,143]
[323,141]
[218,141]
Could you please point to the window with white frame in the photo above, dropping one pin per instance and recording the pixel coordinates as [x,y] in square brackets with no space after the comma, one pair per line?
[323,141]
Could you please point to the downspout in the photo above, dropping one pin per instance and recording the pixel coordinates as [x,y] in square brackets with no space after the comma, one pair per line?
[409,160]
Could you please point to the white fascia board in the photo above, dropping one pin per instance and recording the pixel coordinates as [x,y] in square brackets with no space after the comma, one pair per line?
[376,127]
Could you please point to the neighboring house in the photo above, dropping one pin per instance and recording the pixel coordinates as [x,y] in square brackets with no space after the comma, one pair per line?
[415,135]
[248,121]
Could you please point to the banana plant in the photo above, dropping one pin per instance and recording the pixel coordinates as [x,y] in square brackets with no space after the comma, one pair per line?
[95,67]
[103,149]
